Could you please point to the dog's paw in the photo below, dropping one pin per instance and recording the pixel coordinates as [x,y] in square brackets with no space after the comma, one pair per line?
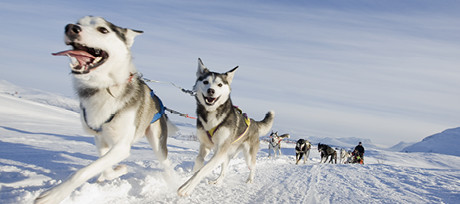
[52,196]
[218,181]
[111,174]
[185,190]
[249,180]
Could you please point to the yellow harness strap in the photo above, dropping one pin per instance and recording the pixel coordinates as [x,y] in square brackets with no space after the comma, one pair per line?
[247,120]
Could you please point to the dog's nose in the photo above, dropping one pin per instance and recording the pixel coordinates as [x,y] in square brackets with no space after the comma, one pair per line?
[211,91]
[72,29]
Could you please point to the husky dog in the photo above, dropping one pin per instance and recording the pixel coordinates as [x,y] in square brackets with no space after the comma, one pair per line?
[116,105]
[222,127]
[327,151]
[302,147]
[345,156]
[275,143]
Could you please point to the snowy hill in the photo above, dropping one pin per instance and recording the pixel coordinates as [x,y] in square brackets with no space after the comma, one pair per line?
[42,144]
[400,146]
[39,96]
[446,142]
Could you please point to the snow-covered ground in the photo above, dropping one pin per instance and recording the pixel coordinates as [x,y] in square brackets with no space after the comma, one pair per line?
[41,144]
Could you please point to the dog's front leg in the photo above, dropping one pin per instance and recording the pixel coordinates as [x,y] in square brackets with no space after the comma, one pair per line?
[199,161]
[187,188]
[269,150]
[298,156]
[109,173]
[307,154]
[119,152]
[223,171]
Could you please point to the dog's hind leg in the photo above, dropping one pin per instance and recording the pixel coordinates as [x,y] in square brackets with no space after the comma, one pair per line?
[157,135]
[250,156]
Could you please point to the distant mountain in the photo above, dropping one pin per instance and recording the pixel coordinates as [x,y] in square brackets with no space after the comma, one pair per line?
[39,96]
[446,142]
[400,146]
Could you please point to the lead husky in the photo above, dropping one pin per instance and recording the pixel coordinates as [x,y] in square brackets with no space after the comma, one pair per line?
[302,148]
[222,127]
[116,105]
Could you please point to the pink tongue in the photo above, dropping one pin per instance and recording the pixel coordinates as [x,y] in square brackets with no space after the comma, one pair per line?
[82,56]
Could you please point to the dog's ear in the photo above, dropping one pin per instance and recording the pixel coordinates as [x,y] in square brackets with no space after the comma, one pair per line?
[130,35]
[201,69]
[230,74]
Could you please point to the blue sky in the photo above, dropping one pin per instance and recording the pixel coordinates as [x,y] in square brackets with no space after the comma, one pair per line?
[383,70]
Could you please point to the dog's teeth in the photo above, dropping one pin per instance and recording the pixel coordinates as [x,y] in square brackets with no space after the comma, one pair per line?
[73,61]
[97,60]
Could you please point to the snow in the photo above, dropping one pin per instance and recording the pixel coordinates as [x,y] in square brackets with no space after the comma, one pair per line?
[42,143]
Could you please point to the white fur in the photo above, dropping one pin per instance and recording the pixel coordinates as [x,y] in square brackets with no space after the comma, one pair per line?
[118,51]
[345,156]
[115,140]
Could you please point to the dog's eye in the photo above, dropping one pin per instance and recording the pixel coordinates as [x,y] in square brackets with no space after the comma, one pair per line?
[220,85]
[103,30]
[205,82]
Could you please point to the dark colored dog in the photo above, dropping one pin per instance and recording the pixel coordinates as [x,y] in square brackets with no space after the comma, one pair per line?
[327,151]
[302,147]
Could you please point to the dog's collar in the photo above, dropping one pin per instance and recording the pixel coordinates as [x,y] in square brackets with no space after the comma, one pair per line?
[130,79]
[247,120]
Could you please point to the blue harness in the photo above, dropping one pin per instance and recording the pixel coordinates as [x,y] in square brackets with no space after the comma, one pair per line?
[162,108]
[155,117]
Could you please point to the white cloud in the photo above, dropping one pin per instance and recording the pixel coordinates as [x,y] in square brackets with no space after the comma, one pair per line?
[340,69]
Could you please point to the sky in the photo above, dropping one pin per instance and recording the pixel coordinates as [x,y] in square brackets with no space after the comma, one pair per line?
[382,70]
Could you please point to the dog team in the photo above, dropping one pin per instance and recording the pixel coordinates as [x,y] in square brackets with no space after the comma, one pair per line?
[302,149]
[118,108]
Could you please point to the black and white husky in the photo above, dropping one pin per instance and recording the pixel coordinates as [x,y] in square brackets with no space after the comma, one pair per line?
[327,151]
[302,148]
[116,105]
[222,127]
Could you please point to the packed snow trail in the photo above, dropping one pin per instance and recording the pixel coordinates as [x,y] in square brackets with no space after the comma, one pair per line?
[41,145]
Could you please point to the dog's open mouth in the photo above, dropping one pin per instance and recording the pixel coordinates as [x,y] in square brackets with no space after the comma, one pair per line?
[84,59]
[210,100]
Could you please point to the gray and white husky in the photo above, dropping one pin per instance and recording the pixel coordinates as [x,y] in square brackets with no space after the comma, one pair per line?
[222,127]
[116,105]
[274,143]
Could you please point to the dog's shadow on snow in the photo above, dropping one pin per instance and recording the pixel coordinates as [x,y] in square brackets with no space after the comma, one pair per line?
[53,164]
[67,137]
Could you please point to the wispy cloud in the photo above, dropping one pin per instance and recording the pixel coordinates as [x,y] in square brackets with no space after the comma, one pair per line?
[384,71]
